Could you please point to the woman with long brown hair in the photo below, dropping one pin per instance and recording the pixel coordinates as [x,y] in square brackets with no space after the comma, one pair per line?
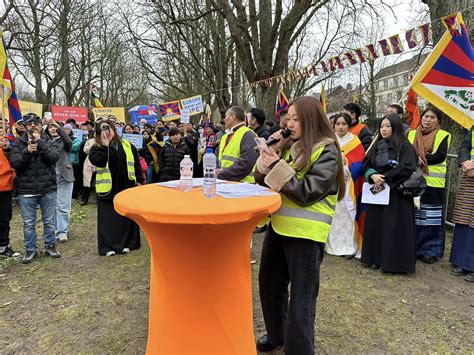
[306,169]
[118,168]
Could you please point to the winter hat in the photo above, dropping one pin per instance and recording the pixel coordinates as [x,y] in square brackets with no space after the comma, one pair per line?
[68,126]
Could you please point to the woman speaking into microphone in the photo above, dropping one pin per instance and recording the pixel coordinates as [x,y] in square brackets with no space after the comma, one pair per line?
[306,169]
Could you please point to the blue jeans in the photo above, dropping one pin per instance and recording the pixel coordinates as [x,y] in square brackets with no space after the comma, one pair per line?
[28,206]
[63,206]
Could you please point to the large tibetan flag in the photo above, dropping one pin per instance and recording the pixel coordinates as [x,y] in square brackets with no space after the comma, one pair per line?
[95,96]
[446,78]
[354,154]
[170,110]
[322,98]
[281,105]
[9,94]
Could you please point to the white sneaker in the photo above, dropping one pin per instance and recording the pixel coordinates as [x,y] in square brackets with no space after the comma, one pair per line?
[62,238]
[110,253]
[126,250]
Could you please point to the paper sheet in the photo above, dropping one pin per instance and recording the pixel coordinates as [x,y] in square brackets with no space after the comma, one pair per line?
[380,198]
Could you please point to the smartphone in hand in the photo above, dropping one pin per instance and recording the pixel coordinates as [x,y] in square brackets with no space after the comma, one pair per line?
[376,189]
[261,144]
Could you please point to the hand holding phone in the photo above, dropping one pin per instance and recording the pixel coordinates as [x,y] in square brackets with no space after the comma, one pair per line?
[261,144]
[377,188]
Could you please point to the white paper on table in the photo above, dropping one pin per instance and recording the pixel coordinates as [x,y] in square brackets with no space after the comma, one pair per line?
[380,198]
[197,182]
[242,190]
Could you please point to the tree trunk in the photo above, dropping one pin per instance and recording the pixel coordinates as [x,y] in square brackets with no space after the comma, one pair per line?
[265,98]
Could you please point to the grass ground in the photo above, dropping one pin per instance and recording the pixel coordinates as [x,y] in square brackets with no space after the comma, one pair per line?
[83,303]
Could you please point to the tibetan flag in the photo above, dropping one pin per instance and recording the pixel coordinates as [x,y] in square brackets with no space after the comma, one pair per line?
[411,38]
[396,44]
[324,66]
[313,70]
[350,57]
[446,78]
[361,55]
[413,112]
[354,153]
[170,110]
[339,62]
[9,94]
[322,98]
[372,52]
[385,47]
[332,64]
[451,24]
[425,33]
[281,105]
[95,96]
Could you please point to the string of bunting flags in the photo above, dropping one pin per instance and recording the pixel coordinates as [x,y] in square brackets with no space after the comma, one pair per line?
[414,37]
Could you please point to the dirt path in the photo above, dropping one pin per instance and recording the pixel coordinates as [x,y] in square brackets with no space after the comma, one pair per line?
[90,304]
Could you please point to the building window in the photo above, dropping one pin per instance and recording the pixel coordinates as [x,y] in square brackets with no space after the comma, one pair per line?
[385,84]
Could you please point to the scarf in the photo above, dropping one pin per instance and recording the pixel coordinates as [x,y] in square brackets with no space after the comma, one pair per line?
[382,155]
[424,143]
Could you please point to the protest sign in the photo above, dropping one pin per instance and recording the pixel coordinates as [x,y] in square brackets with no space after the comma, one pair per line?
[62,113]
[78,133]
[185,116]
[30,107]
[103,112]
[192,104]
[135,139]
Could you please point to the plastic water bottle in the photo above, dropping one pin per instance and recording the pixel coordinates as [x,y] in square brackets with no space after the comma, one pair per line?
[209,166]
[186,174]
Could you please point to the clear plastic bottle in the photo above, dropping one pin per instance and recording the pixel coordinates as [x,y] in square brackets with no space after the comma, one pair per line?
[209,166]
[186,174]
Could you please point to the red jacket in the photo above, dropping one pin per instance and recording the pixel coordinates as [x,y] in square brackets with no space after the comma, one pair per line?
[6,173]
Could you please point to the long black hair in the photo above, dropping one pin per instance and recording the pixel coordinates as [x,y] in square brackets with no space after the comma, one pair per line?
[398,136]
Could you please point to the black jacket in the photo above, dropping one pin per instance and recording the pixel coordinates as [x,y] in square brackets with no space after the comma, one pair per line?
[35,172]
[365,137]
[407,163]
[465,148]
[99,156]
[261,132]
[170,158]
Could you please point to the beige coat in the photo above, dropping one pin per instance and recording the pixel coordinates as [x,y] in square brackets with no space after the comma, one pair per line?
[88,169]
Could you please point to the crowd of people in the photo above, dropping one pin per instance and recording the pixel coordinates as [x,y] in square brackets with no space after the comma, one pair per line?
[319,171]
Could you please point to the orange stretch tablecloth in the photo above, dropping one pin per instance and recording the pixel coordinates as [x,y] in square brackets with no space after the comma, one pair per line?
[200,279]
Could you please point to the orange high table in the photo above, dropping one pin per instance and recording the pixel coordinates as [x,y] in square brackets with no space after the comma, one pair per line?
[200,279]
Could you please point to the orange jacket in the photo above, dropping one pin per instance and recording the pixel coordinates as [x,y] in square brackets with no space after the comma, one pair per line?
[6,173]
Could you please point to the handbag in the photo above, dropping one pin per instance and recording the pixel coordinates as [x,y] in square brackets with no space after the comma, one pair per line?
[415,185]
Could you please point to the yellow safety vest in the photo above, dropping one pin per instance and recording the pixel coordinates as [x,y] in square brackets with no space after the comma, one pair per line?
[311,222]
[437,172]
[103,182]
[472,144]
[230,153]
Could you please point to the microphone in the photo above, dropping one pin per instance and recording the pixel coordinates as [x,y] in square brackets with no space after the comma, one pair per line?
[285,134]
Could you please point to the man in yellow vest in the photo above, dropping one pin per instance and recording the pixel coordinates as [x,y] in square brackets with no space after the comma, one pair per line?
[237,155]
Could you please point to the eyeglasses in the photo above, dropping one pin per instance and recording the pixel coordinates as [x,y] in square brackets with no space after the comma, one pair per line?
[36,123]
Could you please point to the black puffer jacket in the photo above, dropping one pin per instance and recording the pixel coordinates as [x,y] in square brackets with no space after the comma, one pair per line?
[35,172]
[170,158]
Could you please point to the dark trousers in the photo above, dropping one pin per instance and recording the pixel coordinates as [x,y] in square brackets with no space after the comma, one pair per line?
[285,260]
[5,217]
[78,186]
[86,191]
